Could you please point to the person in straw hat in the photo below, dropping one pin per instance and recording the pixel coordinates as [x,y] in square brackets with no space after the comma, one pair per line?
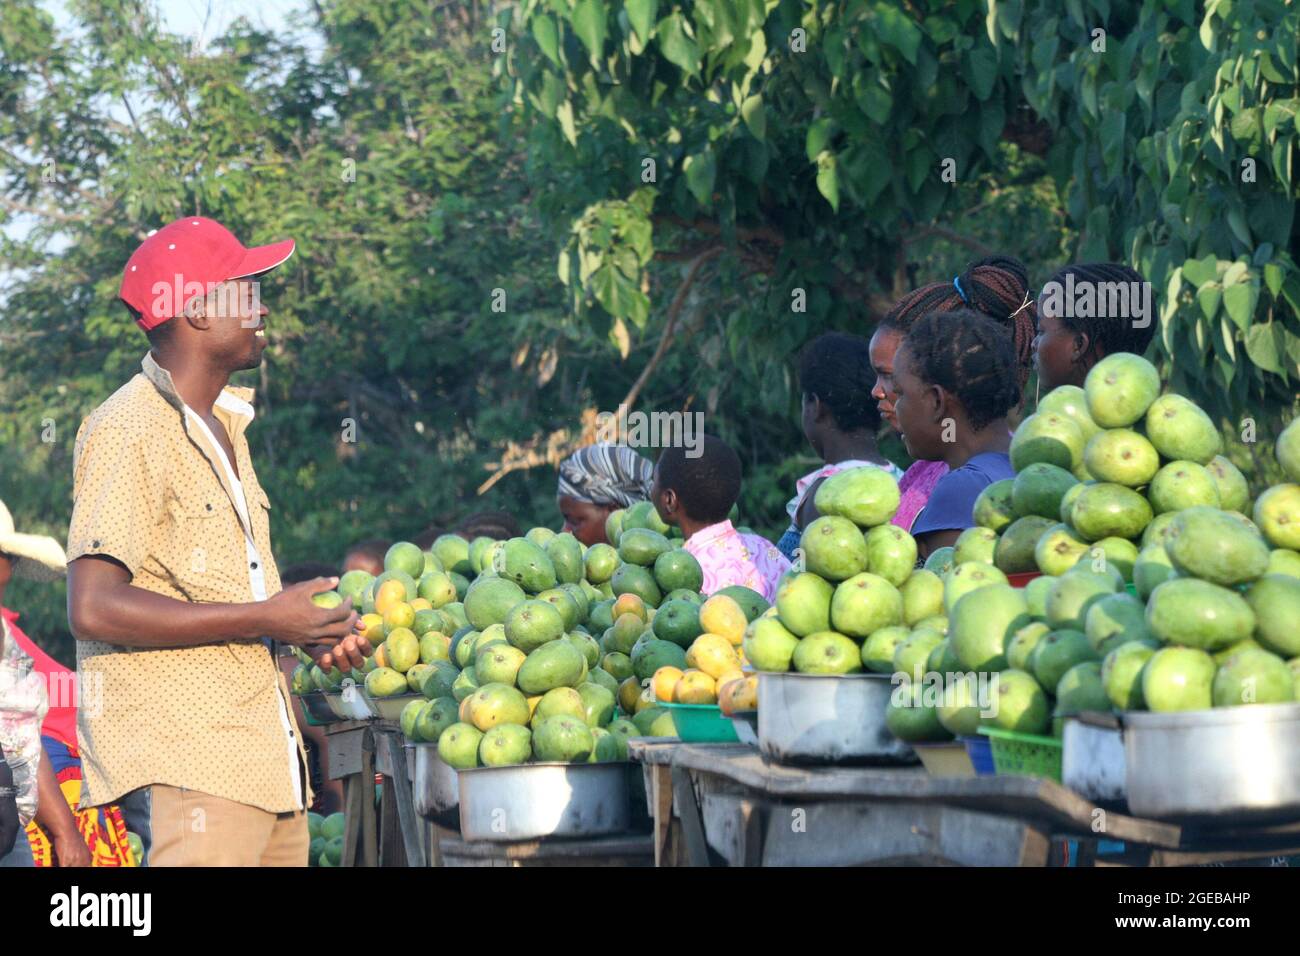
[173,592]
[28,786]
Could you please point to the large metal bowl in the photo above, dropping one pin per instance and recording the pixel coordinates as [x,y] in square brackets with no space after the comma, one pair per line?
[389,708]
[349,703]
[435,788]
[827,718]
[1229,764]
[531,801]
[1092,761]
[315,704]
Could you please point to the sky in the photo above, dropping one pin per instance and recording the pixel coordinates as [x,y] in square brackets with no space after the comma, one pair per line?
[203,18]
[190,16]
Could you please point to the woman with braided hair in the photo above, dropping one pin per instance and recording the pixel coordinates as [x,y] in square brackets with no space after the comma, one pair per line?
[1067,345]
[997,287]
[955,378]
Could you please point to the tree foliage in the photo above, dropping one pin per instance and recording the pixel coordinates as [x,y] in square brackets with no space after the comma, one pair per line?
[812,139]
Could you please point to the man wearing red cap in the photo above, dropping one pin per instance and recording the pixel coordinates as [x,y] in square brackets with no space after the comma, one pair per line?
[173,592]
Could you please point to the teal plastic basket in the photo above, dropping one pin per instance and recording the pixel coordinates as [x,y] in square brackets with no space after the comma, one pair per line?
[702,724]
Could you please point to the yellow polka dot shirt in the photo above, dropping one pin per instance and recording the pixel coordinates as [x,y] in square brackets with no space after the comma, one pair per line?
[150,490]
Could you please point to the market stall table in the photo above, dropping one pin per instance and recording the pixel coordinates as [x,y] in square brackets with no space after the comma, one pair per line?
[622,850]
[357,750]
[728,800]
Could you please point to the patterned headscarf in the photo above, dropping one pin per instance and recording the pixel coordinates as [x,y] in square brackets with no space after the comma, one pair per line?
[606,474]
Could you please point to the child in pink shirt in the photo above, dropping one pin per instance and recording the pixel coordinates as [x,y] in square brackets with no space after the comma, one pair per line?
[696,494]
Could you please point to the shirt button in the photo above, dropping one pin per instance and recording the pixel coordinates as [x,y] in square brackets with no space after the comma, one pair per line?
[254,565]
[209,507]
[94,544]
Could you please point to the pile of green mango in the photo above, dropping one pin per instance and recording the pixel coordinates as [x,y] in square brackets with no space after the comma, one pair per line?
[1163,586]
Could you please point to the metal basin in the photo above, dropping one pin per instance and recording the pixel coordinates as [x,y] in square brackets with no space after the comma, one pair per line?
[827,718]
[349,703]
[389,708]
[1092,761]
[436,791]
[1230,764]
[318,707]
[531,801]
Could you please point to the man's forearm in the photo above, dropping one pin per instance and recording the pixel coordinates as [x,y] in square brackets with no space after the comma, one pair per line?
[132,617]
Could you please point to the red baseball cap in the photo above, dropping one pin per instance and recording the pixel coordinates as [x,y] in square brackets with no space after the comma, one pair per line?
[185,259]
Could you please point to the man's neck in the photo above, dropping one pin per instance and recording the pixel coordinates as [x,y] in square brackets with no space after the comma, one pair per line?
[198,387]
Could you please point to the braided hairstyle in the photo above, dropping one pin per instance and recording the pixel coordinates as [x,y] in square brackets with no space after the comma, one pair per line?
[1108,333]
[968,355]
[996,286]
[836,369]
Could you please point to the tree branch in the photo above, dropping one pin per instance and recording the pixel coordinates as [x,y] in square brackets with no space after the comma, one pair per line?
[670,325]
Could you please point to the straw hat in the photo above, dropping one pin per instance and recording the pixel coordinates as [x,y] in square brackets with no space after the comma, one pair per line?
[38,557]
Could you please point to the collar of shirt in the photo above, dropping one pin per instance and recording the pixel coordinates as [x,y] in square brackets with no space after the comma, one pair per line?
[233,408]
[710,534]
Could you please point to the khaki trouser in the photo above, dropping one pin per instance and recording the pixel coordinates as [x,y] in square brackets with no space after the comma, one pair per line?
[189,828]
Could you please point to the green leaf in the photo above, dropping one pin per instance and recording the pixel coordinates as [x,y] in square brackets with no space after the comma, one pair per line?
[981,68]
[678,48]
[1239,301]
[619,295]
[588,21]
[1279,113]
[755,116]
[1200,271]
[564,113]
[1273,276]
[1209,296]
[819,134]
[1112,142]
[873,99]
[700,170]
[1237,223]
[547,37]
[898,30]
[828,179]
[1262,347]
[641,14]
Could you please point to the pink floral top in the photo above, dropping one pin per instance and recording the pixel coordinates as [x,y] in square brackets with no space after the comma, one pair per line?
[914,490]
[729,557]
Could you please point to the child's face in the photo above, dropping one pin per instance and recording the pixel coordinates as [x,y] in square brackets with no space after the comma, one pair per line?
[918,408]
[665,500]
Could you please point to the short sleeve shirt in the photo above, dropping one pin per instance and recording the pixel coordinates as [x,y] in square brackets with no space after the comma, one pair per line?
[149,491]
[952,502]
[729,557]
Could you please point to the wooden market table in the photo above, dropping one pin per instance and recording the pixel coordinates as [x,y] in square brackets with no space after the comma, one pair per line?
[358,749]
[624,849]
[725,801]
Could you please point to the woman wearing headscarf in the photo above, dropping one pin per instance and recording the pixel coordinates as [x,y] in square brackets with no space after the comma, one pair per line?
[596,480]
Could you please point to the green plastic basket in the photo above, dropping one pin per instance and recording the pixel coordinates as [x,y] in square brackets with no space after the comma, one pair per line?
[702,724]
[1024,755]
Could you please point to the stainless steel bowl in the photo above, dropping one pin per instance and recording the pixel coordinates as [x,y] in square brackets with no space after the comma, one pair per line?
[389,708]
[1092,761]
[1241,763]
[318,707]
[530,801]
[827,718]
[436,789]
